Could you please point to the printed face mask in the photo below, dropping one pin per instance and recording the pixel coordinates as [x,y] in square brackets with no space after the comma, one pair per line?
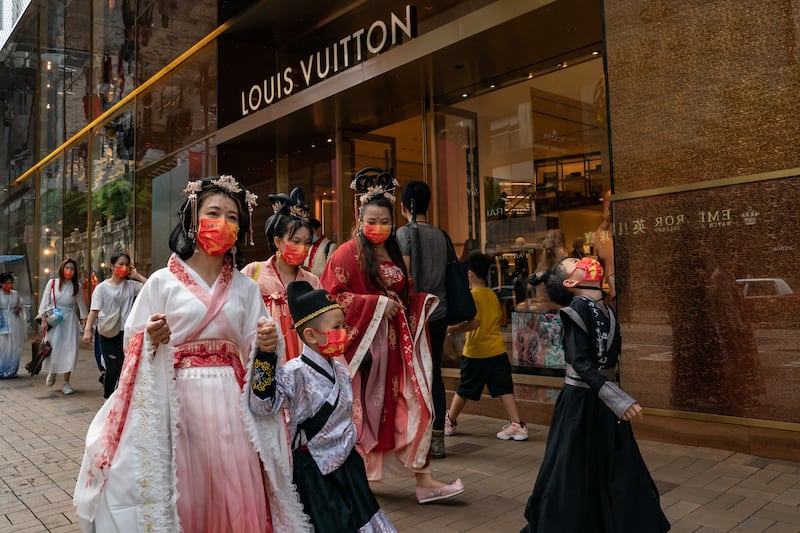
[8,286]
[294,254]
[336,341]
[593,270]
[121,271]
[215,236]
[377,233]
[69,274]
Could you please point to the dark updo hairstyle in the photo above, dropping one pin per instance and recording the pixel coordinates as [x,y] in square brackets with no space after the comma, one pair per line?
[554,283]
[183,245]
[291,214]
[6,276]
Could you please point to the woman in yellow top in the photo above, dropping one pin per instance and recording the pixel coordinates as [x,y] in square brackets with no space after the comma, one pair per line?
[485,360]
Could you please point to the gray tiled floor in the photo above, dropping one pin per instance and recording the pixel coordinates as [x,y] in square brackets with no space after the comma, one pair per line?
[703,490]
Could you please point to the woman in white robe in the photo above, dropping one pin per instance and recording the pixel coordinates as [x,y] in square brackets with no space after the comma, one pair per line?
[13,330]
[65,293]
[175,448]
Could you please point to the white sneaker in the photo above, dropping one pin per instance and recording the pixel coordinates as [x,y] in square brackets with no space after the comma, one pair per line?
[50,379]
[67,389]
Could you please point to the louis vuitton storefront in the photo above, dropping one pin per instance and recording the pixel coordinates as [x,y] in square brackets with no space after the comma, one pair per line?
[520,114]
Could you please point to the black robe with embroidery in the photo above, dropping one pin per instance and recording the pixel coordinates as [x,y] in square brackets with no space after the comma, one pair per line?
[592,478]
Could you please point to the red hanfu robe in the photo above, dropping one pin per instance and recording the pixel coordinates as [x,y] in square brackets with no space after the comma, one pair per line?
[389,361]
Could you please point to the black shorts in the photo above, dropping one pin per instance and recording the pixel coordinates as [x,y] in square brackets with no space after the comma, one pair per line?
[494,372]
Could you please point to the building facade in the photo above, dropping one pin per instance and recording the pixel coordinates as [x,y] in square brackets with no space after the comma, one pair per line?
[522,115]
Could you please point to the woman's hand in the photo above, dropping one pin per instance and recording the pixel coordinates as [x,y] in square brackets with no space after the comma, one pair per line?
[158,329]
[392,308]
[633,411]
[267,335]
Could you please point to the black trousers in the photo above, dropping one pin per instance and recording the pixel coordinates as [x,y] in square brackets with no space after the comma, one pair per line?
[437,330]
[113,357]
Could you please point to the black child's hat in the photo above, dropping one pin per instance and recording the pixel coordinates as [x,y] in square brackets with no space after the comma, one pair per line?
[305,303]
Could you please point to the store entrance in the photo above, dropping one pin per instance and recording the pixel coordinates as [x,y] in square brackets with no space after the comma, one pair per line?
[356,151]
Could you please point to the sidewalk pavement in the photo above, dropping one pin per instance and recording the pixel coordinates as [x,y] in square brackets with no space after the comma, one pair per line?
[703,490]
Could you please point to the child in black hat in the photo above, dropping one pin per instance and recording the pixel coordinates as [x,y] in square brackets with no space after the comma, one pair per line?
[315,390]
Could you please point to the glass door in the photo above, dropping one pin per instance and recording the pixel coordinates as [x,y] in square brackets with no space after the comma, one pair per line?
[457,180]
[356,151]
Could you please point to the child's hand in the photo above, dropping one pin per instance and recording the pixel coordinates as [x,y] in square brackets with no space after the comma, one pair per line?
[267,335]
[633,411]
[158,329]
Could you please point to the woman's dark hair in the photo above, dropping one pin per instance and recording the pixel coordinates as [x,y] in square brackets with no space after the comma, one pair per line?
[6,276]
[62,280]
[291,214]
[179,241]
[285,225]
[116,255]
[366,251]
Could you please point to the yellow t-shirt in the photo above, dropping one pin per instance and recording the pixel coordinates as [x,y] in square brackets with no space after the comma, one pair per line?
[487,340]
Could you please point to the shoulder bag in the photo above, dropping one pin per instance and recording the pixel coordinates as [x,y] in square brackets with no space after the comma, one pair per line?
[460,305]
[53,316]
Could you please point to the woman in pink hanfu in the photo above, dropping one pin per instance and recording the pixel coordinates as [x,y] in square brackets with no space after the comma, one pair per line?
[388,350]
[175,448]
[289,235]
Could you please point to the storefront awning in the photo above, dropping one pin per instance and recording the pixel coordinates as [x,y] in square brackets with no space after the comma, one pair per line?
[9,258]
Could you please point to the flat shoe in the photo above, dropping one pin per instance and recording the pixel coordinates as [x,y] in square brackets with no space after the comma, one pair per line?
[432,495]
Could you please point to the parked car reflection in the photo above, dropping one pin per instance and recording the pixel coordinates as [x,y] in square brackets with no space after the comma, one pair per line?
[771,300]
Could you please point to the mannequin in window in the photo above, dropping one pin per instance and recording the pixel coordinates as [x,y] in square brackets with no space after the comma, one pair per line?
[604,247]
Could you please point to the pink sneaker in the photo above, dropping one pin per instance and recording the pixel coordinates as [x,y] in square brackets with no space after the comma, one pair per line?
[448,491]
[515,431]
[449,425]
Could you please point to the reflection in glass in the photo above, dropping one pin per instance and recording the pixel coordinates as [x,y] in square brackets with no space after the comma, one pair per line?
[685,265]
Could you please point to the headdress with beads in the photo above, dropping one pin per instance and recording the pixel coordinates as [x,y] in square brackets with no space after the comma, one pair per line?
[292,205]
[371,182]
[225,182]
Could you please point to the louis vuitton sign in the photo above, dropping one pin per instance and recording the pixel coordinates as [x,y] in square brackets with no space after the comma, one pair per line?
[341,54]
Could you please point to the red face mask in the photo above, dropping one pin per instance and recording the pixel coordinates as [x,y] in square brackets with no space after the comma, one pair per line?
[215,236]
[69,274]
[121,271]
[8,286]
[377,233]
[294,254]
[335,343]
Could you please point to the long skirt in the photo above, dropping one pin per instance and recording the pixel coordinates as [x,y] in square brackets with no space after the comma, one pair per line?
[341,501]
[12,336]
[220,479]
[593,478]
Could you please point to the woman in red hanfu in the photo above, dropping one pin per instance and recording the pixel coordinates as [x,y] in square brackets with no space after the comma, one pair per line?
[388,349]
[289,235]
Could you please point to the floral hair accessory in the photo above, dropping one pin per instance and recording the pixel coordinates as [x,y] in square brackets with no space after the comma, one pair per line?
[371,182]
[227,183]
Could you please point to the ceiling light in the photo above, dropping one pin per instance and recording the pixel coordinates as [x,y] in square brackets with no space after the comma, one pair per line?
[330,140]
[464,95]
[530,75]
[595,53]
[492,86]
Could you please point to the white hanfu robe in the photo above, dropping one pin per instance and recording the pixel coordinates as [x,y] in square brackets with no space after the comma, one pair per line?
[138,441]
[65,337]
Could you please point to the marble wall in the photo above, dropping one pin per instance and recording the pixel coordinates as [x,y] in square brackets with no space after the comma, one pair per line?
[703,98]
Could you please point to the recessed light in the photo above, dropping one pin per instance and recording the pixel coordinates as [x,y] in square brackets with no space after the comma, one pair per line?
[530,75]
[595,53]
[330,140]
[313,146]
[464,95]
[492,86]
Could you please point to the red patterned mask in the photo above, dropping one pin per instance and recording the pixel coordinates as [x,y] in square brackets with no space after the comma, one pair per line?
[377,233]
[215,236]
[336,341]
[69,274]
[294,254]
[593,270]
[121,271]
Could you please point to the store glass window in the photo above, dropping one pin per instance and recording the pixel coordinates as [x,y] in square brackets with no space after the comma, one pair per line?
[532,158]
